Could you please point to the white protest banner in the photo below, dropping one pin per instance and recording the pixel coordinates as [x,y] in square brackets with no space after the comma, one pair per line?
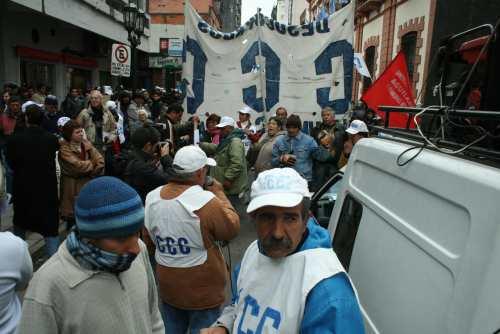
[265,64]
[120,60]
[360,64]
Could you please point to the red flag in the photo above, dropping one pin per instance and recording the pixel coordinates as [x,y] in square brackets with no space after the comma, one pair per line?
[392,88]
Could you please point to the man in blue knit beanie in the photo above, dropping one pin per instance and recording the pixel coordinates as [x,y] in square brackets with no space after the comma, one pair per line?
[100,280]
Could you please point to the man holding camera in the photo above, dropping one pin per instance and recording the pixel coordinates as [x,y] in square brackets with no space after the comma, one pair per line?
[146,167]
[185,218]
[298,150]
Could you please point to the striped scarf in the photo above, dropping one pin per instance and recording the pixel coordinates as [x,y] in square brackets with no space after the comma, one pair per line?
[93,258]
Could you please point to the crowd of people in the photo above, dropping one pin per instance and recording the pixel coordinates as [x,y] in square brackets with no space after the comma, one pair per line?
[135,185]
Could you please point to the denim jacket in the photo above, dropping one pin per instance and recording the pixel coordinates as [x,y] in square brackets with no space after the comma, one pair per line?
[304,147]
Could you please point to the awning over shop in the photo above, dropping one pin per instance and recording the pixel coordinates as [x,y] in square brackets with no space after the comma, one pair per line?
[55,57]
[168,63]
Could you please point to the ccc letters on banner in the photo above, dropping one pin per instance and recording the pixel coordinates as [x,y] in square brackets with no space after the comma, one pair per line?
[323,65]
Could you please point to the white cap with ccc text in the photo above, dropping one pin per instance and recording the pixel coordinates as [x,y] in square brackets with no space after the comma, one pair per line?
[282,187]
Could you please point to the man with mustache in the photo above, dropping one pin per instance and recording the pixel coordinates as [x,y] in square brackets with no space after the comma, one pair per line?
[290,280]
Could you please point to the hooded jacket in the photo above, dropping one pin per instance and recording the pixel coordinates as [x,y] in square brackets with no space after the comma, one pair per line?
[231,161]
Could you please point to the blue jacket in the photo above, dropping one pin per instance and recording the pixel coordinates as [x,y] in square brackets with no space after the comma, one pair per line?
[331,306]
[304,147]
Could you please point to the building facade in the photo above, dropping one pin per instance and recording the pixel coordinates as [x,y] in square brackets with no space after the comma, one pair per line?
[385,27]
[63,43]
[321,8]
[416,27]
[167,33]
[230,13]
[292,12]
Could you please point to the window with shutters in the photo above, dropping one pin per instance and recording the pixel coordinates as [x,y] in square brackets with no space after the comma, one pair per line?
[409,47]
[370,63]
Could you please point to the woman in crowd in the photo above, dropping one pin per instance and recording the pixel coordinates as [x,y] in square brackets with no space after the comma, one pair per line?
[264,147]
[212,134]
[80,161]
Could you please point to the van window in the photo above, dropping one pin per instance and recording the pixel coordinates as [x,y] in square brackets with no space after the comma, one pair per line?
[347,228]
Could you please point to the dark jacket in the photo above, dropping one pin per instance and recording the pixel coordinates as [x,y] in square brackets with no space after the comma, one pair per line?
[49,122]
[31,154]
[143,174]
[71,106]
[156,108]
[180,129]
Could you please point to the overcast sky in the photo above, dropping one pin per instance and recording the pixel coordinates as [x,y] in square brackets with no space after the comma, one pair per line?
[249,8]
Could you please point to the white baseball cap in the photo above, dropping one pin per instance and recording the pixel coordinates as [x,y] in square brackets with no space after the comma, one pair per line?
[356,127]
[190,159]
[62,121]
[29,103]
[226,121]
[246,110]
[110,105]
[282,187]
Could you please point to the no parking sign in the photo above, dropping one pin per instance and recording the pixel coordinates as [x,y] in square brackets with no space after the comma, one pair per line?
[120,60]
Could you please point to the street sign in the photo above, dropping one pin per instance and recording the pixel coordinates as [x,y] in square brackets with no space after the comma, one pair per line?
[120,60]
[175,47]
[163,61]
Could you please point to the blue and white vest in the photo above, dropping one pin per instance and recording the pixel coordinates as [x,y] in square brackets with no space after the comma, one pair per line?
[272,292]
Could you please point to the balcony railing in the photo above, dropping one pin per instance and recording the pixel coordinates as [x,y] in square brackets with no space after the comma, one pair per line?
[367,6]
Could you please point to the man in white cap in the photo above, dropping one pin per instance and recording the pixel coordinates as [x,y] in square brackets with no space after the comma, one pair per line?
[185,218]
[356,131]
[246,125]
[231,169]
[290,280]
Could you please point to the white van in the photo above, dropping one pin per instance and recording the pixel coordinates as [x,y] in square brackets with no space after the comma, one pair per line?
[420,242]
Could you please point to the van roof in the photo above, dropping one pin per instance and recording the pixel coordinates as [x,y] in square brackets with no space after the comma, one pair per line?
[483,146]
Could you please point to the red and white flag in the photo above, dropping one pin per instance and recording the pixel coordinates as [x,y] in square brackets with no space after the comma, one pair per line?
[392,88]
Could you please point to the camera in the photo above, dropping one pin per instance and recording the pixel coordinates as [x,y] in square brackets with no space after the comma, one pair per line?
[209,181]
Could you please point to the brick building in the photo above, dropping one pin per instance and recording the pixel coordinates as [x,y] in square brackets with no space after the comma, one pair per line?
[230,14]
[384,27]
[171,12]
[167,30]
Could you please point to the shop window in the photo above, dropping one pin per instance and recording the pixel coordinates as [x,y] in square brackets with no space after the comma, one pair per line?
[370,63]
[409,47]
[81,79]
[347,229]
[34,73]
[115,4]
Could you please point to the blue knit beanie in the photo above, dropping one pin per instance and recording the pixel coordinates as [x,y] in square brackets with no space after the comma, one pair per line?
[108,208]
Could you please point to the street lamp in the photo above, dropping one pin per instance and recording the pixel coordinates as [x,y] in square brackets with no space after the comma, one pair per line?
[134,20]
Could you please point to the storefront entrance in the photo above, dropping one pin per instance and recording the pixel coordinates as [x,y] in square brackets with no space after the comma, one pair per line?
[35,73]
